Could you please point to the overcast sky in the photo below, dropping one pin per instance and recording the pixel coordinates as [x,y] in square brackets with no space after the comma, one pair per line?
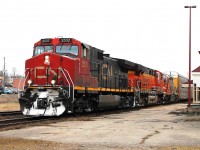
[154,33]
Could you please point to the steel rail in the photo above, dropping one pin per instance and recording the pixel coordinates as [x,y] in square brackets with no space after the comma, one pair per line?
[20,121]
[4,113]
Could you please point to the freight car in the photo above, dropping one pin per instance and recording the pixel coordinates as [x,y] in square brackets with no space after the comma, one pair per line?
[65,75]
[180,92]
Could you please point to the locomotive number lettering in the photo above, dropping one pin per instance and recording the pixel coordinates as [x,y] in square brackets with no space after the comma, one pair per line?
[84,64]
[45,40]
[65,40]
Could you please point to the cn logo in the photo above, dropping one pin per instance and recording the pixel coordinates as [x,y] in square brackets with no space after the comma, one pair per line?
[40,72]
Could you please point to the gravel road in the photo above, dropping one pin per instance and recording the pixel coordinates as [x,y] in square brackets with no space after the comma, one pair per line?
[150,128]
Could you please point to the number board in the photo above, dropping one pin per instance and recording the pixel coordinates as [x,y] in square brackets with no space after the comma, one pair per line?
[65,40]
[45,40]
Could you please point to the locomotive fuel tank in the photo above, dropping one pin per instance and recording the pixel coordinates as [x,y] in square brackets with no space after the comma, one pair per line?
[109,101]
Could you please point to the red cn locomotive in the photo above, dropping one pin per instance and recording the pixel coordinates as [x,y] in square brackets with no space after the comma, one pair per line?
[65,76]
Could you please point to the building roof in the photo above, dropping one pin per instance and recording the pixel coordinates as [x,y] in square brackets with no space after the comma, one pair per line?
[197,69]
[191,82]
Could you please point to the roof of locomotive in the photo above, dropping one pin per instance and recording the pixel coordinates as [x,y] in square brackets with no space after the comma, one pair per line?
[131,65]
[56,40]
[63,40]
[122,62]
[59,40]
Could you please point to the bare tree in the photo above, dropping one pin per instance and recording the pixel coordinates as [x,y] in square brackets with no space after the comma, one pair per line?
[14,71]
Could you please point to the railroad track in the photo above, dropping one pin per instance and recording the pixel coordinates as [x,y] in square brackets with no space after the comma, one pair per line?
[21,121]
[9,113]
[6,124]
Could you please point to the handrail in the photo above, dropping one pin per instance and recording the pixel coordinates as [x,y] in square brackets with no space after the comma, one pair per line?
[66,80]
[71,82]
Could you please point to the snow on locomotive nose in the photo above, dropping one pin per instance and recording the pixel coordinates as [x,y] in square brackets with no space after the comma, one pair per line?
[45,102]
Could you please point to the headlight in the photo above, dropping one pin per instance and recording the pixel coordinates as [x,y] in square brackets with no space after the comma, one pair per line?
[47,60]
[29,81]
[53,82]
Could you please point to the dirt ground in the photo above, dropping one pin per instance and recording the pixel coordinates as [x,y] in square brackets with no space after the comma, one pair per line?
[21,144]
[154,128]
[9,102]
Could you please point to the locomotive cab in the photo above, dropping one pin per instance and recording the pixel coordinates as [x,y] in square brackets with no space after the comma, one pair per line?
[50,76]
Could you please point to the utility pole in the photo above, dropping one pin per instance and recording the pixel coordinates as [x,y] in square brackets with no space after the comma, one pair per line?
[4,71]
[189,81]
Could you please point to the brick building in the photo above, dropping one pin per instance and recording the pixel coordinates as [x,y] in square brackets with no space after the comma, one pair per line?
[18,83]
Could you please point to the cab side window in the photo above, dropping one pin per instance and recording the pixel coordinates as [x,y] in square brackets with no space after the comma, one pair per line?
[85,52]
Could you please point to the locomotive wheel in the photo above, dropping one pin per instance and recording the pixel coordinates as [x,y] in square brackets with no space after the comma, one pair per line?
[78,110]
[130,102]
[89,108]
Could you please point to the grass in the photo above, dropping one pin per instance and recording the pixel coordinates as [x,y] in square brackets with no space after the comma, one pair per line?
[9,106]
[187,111]
[179,148]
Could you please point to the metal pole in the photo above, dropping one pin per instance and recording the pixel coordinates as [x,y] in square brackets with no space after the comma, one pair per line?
[4,71]
[189,81]
[189,87]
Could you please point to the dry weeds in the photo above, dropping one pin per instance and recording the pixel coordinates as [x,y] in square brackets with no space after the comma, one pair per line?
[9,102]
[22,144]
[9,98]
[9,106]
[187,111]
[179,148]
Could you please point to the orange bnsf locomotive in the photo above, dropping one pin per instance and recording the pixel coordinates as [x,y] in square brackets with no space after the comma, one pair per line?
[66,76]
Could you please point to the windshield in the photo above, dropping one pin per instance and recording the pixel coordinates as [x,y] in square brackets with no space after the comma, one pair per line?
[41,49]
[67,50]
